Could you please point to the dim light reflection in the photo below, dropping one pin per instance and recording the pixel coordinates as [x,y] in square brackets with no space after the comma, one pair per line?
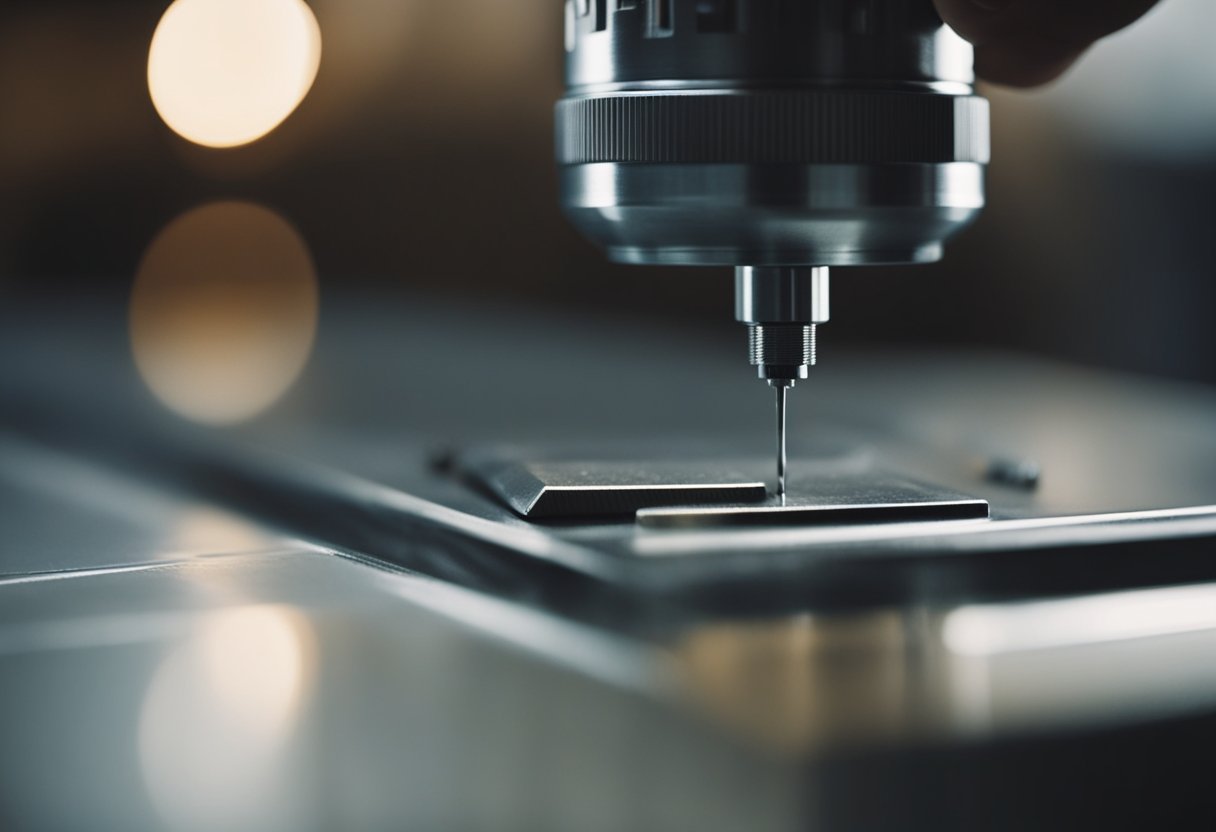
[985,630]
[224,312]
[217,723]
[793,683]
[223,73]
[214,532]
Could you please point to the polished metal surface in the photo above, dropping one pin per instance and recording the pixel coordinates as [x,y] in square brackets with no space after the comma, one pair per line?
[817,214]
[552,489]
[404,650]
[61,512]
[769,133]
[782,308]
[829,500]
[782,295]
[1125,463]
[298,690]
[614,44]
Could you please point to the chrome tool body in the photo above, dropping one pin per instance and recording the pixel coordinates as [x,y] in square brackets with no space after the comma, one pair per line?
[780,137]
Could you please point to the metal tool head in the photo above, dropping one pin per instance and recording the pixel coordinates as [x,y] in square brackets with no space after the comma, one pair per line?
[717,132]
[778,137]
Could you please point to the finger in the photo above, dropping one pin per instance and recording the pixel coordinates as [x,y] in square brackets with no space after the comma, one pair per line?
[1016,63]
[1080,22]
[1029,42]
[976,20]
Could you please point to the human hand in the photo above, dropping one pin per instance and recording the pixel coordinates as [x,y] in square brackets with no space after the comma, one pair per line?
[1024,43]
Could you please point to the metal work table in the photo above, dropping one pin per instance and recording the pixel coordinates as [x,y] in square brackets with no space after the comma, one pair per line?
[313,622]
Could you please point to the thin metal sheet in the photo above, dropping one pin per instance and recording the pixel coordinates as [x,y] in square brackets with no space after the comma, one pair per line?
[610,488]
[829,500]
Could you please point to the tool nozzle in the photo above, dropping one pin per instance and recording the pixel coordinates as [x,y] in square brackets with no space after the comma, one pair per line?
[782,307]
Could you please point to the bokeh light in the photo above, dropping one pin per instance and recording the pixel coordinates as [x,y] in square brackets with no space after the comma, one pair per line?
[794,683]
[224,312]
[218,729]
[226,72]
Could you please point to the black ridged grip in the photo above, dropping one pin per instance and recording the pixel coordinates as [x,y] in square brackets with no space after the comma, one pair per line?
[795,126]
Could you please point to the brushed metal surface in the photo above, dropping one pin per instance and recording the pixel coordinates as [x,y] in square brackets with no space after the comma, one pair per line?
[547,490]
[829,500]
[710,678]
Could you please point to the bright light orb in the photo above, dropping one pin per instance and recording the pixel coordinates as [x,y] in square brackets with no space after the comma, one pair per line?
[224,312]
[223,73]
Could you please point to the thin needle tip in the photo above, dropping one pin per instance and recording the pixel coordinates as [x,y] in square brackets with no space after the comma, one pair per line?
[781,455]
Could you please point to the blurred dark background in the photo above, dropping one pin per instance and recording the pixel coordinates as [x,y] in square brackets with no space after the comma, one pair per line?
[420,162]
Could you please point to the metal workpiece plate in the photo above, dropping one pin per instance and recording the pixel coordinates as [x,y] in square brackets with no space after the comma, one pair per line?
[829,499]
[547,490]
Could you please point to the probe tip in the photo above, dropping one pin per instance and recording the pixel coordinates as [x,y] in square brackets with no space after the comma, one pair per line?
[781,455]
